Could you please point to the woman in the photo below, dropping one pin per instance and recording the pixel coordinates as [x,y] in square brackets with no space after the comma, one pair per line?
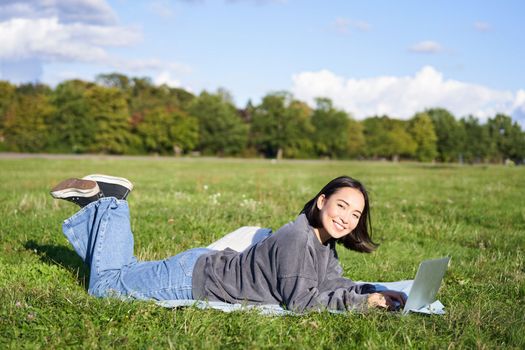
[296,267]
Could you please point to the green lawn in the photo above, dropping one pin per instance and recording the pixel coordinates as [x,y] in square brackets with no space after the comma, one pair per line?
[474,214]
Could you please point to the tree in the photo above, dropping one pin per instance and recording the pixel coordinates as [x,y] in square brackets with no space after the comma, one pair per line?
[387,137]
[400,140]
[221,130]
[109,110]
[331,130]
[281,126]
[507,137]
[72,129]
[184,131]
[450,134]
[422,131]
[153,130]
[477,145]
[167,132]
[144,96]
[376,135]
[299,130]
[25,124]
[114,80]
[7,97]
[183,97]
[356,139]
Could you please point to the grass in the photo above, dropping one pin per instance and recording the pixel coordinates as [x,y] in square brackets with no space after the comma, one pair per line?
[474,214]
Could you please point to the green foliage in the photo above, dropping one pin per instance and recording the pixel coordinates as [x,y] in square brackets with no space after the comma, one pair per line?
[144,96]
[387,137]
[477,146]
[450,134]
[109,110]
[154,131]
[422,130]
[183,97]
[356,139]
[419,211]
[131,115]
[25,126]
[72,128]
[221,129]
[7,94]
[400,140]
[331,130]
[281,127]
[376,134]
[508,141]
[184,131]
[114,80]
[165,132]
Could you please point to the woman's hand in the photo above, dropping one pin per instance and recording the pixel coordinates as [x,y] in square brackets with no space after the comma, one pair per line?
[388,299]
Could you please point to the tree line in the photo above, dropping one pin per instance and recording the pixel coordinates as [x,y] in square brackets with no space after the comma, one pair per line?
[117,114]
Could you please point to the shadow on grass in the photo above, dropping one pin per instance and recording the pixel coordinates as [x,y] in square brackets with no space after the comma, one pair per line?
[63,257]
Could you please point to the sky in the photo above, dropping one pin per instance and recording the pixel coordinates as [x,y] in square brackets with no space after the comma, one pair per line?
[370,57]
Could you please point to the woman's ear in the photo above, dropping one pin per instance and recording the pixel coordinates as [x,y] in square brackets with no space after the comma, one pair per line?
[320,201]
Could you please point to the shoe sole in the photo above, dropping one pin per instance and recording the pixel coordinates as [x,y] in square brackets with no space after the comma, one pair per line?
[110,179]
[75,188]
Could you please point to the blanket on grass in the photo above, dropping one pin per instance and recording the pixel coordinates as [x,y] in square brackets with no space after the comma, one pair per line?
[275,310]
[246,236]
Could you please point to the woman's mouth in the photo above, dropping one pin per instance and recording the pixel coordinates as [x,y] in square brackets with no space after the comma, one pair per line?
[338,226]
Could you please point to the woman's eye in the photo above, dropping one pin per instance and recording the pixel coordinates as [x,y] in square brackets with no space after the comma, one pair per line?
[340,205]
[356,216]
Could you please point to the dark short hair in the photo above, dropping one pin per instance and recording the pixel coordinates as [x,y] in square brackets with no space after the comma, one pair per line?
[360,239]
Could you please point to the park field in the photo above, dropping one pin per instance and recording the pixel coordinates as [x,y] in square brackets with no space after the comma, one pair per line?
[475,214]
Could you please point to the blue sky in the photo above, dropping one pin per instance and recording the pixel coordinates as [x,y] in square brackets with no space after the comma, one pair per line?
[370,57]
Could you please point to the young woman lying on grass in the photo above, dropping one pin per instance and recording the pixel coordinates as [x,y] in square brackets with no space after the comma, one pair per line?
[296,267]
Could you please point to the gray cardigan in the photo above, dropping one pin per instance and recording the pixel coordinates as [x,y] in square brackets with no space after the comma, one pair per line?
[290,268]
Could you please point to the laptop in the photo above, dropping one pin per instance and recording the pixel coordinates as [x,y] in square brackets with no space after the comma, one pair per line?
[426,285]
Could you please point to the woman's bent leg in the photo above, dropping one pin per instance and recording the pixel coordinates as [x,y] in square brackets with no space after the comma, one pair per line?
[101,235]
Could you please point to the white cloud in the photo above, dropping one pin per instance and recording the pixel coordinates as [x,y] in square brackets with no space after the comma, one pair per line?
[361,25]
[166,78]
[85,11]
[38,32]
[402,97]
[519,107]
[259,2]
[162,8]
[482,26]
[427,46]
[151,64]
[343,25]
[50,40]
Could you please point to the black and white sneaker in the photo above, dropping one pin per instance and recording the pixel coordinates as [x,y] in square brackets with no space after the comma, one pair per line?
[79,191]
[111,186]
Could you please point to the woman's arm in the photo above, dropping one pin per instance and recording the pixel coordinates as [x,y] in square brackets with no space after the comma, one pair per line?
[301,294]
[334,277]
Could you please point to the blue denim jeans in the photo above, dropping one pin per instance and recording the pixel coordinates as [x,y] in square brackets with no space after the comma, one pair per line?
[101,235]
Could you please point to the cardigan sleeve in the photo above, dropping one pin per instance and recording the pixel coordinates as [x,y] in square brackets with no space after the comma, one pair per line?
[302,294]
[301,290]
[334,277]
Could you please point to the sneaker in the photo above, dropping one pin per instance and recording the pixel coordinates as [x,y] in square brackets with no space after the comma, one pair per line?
[79,191]
[111,186]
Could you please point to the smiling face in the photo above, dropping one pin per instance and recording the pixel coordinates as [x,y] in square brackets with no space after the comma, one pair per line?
[339,213]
